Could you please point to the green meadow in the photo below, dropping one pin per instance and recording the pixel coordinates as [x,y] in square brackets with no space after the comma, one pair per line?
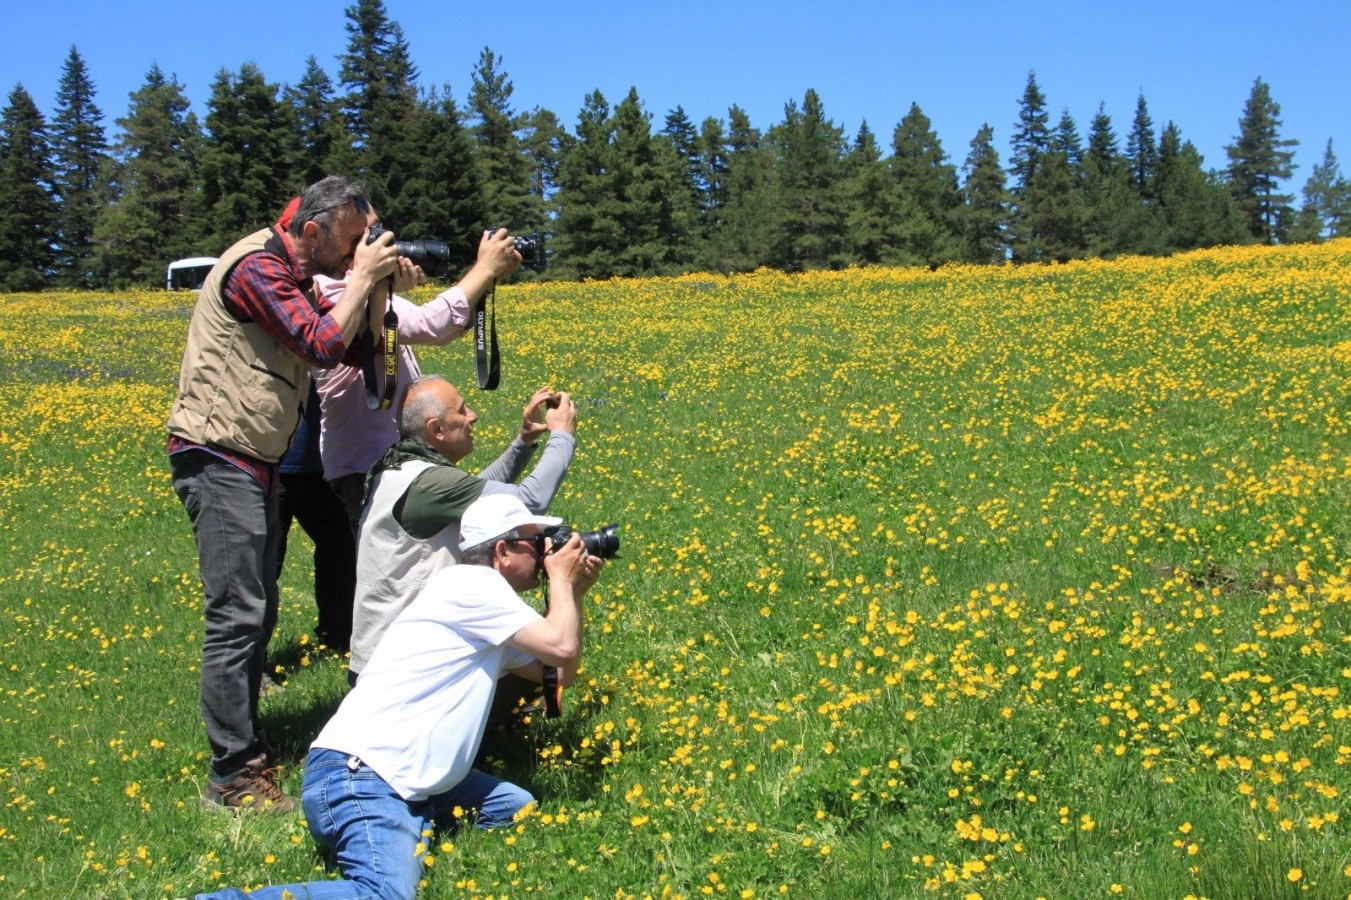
[983,582]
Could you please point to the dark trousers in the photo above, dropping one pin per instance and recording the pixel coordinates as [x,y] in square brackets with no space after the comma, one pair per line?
[235,524]
[352,490]
[308,499]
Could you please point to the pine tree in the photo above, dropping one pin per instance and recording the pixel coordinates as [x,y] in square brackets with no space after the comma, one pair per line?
[809,150]
[245,161]
[380,106]
[80,150]
[321,138]
[680,154]
[1066,141]
[1195,209]
[985,214]
[1117,218]
[1327,200]
[1141,151]
[156,212]
[1030,143]
[447,199]
[713,154]
[641,187]
[1056,215]
[28,211]
[504,167]
[923,230]
[545,143]
[589,223]
[869,197]
[1258,160]
[684,140]
[1031,139]
[750,211]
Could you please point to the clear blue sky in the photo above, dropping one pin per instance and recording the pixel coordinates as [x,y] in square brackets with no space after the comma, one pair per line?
[964,63]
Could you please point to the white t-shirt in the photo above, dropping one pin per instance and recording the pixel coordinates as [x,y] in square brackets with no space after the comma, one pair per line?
[418,711]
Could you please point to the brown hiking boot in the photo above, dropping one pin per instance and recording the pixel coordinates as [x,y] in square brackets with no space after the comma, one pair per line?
[254,788]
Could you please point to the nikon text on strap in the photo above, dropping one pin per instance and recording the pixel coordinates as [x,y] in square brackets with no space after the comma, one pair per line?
[487,362]
[376,399]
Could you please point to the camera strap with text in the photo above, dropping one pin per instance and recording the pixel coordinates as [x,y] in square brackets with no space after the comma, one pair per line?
[487,360]
[376,399]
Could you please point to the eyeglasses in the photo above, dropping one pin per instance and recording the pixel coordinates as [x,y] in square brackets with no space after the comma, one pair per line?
[536,541]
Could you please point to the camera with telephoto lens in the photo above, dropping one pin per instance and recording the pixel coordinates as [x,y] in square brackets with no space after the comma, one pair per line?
[603,542]
[530,246]
[432,256]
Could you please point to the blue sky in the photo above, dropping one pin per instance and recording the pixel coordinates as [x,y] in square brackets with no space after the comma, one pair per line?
[964,63]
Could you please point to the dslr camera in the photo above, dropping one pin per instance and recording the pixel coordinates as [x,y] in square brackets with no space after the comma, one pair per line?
[530,246]
[432,256]
[603,542]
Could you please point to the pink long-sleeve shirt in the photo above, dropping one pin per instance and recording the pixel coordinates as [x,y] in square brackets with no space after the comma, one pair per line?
[351,435]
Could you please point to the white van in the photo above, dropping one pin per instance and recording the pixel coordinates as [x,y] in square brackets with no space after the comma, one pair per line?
[188,274]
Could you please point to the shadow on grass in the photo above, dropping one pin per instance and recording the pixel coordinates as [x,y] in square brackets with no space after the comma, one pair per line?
[308,684]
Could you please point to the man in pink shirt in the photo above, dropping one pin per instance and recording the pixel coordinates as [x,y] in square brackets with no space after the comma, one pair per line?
[353,436]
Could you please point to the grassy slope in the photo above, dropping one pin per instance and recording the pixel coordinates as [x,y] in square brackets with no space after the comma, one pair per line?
[1014,582]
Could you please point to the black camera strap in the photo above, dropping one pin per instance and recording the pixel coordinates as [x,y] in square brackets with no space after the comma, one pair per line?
[375,399]
[553,691]
[553,694]
[487,360]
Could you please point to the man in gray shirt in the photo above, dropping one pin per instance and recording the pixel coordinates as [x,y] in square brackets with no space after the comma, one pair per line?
[416,493]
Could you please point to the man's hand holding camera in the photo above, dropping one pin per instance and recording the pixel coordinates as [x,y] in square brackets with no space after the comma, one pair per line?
[571,565]
[545,412]
[498,254]
[375,258]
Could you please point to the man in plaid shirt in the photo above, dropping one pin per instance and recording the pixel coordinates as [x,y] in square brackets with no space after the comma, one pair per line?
[257,329]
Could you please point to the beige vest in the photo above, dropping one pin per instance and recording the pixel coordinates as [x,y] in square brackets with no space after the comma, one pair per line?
[238,387]
[392,565]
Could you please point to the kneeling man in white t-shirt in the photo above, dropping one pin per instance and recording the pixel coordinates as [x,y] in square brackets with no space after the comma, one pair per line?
[397,755]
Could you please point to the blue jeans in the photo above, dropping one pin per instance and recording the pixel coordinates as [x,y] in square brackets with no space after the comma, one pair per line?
[234,520]
[371,834]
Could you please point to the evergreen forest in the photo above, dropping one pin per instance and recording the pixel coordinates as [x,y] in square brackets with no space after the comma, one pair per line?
[84,206]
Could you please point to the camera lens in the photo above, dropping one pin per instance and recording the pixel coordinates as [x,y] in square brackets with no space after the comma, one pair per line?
[603,542]
[432,256]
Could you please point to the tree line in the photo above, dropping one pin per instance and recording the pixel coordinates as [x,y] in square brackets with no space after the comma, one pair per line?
[614,197]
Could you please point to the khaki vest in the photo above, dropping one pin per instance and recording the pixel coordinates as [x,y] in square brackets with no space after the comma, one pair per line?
[238,387]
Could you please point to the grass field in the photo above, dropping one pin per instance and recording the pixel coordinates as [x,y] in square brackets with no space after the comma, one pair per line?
[973,583]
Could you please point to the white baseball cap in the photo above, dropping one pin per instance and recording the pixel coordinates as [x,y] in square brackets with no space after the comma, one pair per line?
[493,515]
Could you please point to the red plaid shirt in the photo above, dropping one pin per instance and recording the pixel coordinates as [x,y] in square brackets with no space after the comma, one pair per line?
[269,288]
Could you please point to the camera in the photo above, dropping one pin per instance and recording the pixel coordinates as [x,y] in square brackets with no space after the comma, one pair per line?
[530,246]
[603,542]
[432,256]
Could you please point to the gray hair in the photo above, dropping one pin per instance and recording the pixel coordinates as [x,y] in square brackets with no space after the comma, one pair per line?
[482,554]
[321,202]
[417,406]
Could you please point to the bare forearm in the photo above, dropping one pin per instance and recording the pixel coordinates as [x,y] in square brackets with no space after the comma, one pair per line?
[476,282]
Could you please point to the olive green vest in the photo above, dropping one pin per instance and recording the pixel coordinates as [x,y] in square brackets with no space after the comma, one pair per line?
[238,387]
